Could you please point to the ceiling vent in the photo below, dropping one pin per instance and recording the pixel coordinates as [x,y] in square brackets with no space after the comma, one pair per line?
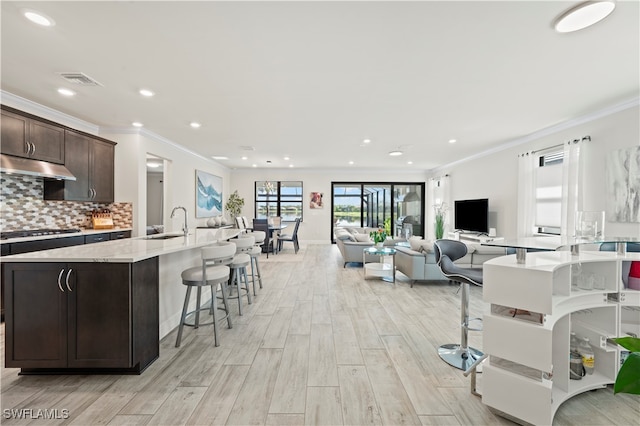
[247,148]
[79,78]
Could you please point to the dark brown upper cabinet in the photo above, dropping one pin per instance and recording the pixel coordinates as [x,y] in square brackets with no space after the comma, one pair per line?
[91,161]
[27,137]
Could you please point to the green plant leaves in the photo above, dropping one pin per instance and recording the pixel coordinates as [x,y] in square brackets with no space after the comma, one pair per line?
[632,344]
[628,379]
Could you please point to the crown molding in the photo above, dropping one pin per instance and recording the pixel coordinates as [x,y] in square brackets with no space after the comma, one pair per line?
[34,108]
[631,103]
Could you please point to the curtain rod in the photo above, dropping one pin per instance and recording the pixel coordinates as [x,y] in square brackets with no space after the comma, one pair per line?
[584,138]
[439,177]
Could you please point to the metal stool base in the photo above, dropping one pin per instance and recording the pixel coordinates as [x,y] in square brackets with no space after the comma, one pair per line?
[458,357]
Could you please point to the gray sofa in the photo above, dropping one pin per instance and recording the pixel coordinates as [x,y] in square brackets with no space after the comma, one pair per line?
[418,262]
[351,242]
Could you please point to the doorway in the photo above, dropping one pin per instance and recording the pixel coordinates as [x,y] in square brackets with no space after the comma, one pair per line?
[155,194]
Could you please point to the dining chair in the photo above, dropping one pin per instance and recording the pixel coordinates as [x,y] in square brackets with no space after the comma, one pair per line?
[293,237]
[275,223]
[263,225]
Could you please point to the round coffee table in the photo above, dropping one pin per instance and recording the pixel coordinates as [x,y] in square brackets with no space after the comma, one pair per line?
[386,271]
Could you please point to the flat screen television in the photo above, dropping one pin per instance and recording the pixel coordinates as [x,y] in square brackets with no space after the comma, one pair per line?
[472,215]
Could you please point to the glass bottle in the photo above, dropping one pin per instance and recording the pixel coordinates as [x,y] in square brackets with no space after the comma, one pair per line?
[573,343]
[588,357]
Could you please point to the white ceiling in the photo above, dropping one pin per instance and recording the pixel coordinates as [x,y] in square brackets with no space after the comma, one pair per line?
[312,80]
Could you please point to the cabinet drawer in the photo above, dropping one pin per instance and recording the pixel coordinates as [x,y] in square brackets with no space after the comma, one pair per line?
[527,344]
[530,289]
[120,235]
[97,238]
[516,395]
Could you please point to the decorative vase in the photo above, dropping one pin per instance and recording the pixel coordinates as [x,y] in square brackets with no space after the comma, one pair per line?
[223,220]
[218,220]
[211,222]
[379,245]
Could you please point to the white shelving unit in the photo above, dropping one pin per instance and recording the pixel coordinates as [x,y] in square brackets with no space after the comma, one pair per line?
[533,309]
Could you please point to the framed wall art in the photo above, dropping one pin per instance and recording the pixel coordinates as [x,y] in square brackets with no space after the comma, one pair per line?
[316,200]
[208,194]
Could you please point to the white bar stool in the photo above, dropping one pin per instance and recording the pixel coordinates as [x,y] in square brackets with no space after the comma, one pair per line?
[213,272]
[239,270]
[255,253]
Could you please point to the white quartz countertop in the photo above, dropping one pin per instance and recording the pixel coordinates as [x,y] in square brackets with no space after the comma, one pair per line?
[128,250]
[82,232]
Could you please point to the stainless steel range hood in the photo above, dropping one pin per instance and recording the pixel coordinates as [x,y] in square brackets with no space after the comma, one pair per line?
[26,166]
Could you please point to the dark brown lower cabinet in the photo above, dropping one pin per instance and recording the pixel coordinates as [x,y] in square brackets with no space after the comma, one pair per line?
[81,317]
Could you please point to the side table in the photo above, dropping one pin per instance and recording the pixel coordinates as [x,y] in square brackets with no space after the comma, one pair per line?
[386,271]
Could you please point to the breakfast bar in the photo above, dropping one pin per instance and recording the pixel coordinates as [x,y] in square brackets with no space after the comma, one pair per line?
[99,308]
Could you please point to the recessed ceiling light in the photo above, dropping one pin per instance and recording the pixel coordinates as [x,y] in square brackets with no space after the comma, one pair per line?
[153,165]
[254,165]
[286,158]
[350,162]
[195,125]
[395,153]
[290,165]
[219,157]
[584,15]
[366,141]
[146,92]
[137,124]
[66,92]
[452,141]
[38,18]
[245,158]
[409,162]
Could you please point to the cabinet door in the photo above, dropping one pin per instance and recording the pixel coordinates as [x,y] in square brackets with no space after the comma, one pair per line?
[47,142]
[35,315]
[101,166]
[77,161]
[14,134]
[99,316]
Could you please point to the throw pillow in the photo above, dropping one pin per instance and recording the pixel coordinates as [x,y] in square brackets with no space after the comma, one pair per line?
[363,238]
[426,246]
[415,243]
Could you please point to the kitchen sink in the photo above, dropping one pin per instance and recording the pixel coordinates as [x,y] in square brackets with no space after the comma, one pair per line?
[163,237]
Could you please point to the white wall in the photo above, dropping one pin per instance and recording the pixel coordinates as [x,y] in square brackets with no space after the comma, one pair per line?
[316,225]
[179,177]
[494,176]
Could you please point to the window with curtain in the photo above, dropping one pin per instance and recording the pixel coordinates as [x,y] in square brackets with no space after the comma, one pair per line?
[278,198]
[548,194]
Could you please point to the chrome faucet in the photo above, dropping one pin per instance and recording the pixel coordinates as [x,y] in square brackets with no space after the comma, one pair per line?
[185,228]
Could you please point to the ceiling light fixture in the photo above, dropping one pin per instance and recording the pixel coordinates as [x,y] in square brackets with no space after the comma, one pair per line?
[66,92]
[38,18]
[195,125]
[395,153]
[452,141]
[366,141]
[254,165]
[583,15]
[219,157]
[290,165]
[409,162]
[351,162]
[146,93]
[137,124]
[245,158]
[286,158]
[153,165]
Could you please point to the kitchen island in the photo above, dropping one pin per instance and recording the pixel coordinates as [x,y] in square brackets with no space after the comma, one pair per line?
[97,308]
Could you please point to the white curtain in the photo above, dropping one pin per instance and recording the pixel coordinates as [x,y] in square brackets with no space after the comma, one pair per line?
[439,197]
[526,196]
[573,183]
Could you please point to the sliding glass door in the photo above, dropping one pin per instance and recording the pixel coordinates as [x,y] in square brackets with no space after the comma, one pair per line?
[395,207]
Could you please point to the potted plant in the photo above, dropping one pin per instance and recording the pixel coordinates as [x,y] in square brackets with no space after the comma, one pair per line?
[441,211]
[234,204]
[378,236]
[628,379]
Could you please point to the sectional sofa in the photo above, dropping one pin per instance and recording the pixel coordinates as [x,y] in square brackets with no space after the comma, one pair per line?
[351,242]
[418,261]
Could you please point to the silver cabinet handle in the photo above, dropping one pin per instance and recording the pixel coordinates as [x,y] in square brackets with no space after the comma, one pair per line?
[33,148]
[66,281]
[93,193]
[59,278]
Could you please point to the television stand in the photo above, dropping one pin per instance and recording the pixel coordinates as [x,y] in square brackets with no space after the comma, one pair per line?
[473,237]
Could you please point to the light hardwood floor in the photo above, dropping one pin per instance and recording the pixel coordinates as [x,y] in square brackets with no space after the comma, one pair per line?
[320,345]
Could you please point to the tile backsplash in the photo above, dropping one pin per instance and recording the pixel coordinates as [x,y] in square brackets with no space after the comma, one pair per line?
[22,207]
